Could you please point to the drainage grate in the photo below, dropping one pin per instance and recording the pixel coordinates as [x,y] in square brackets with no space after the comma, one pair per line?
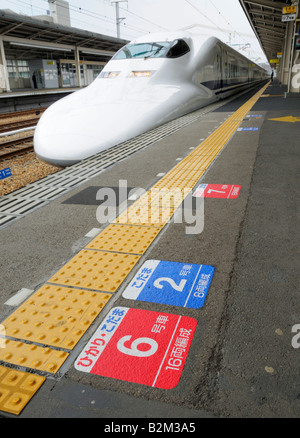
[14,205]
[37,194]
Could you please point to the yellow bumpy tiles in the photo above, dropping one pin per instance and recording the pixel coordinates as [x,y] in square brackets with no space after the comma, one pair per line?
[16,389]
[145,216]
[165,198]
[32,356]
[97,270]
[125,238]
[56,316]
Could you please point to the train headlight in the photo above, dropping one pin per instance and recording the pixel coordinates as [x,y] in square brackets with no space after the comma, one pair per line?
[141,74]
[109,74]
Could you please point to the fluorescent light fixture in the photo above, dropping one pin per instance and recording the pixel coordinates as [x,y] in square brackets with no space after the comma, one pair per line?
[90,52]
[40,47]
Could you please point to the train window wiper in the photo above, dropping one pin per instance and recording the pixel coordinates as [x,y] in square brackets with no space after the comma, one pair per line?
[154,55]
[143,50]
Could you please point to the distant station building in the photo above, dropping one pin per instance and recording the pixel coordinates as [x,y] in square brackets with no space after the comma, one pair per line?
[45,52]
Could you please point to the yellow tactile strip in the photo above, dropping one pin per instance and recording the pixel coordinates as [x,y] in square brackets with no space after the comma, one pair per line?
[125,238]
[145,216]
[56,316]
[97,270]
[16,389]
[32,356]
[163,198]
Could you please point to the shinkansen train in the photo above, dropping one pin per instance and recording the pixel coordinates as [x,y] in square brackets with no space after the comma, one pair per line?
[150,81]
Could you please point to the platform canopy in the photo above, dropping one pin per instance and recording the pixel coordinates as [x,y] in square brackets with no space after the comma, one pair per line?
[28,38]
[265,17]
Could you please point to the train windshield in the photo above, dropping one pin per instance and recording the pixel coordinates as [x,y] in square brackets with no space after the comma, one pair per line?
[143,50]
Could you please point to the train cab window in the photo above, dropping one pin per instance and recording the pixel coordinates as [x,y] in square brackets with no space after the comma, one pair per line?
[143,50]
[178,48]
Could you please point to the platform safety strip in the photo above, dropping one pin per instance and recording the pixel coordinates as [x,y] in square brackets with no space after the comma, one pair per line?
[32,356]
[55,316]
[17,388]
[96,270]
[59,313]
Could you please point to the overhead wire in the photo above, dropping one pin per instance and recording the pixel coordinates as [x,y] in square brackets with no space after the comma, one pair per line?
[204,15]
[227,21]
[83,12]
[215,25]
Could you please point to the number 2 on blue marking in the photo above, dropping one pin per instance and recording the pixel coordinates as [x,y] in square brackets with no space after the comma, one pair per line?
[178,288]
[172,283]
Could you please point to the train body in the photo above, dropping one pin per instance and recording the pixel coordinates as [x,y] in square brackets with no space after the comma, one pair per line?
[150,81]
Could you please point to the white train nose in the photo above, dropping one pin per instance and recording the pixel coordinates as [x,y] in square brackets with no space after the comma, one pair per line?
[64,138]
[65,149]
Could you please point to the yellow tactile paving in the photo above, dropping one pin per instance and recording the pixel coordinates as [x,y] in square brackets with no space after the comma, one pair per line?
[125,238]
[56,316]
[196,161]
[32,356]
[97,270]
[145,215]
[16,389]
[173,184]
[184,178]
[163,198]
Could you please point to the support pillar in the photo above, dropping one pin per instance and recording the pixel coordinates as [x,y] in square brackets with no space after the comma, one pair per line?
[287,53]
[4,80]
[78,75]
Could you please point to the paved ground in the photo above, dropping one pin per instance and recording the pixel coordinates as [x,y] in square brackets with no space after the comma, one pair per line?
[241,362]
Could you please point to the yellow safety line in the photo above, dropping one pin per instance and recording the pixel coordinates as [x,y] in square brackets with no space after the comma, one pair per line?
[56,319]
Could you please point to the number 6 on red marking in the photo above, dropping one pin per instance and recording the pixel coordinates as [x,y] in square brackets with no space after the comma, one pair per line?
[141,346]
[133,350]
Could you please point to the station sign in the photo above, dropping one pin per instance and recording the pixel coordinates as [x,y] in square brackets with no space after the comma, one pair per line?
[5,173]
[274,61]
[279,55]
[289,13]
[139,346]
[287,18]
[222,191]
[247,129]
[289,9]
[171,283]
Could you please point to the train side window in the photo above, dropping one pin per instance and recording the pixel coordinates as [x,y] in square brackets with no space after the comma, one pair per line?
[179,48]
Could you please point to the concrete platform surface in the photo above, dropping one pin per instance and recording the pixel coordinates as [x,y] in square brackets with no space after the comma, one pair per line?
[243,358]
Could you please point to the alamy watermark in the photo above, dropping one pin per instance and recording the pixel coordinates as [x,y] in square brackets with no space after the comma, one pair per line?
[185,209]
[296,77]
[296,338]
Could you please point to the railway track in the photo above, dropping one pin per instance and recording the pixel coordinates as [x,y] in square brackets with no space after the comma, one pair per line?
[19,120]
[11,122]
[7,127]
[19,146]
[22,113]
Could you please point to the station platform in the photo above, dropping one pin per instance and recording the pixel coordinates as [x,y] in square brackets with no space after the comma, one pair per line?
[36,91]
[30,98]
[83,317]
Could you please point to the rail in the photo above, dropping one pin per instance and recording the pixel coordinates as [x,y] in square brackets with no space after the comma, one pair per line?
[12,148]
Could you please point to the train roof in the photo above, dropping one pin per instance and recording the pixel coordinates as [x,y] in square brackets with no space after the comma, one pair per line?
[198,40]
